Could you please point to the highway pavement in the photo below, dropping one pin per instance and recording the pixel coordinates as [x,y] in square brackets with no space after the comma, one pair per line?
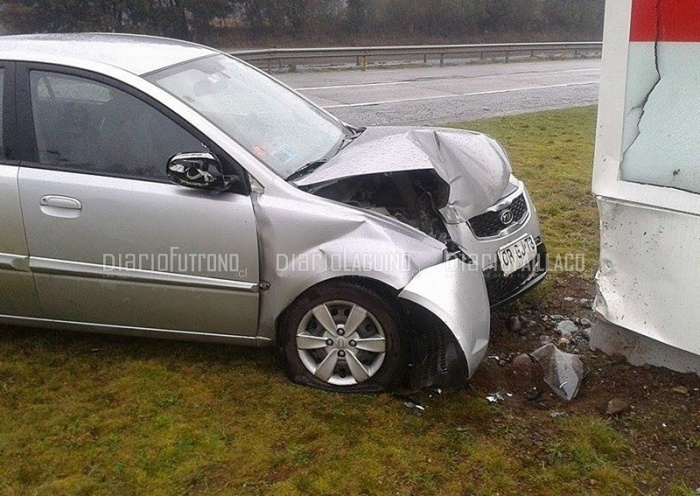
[437,95]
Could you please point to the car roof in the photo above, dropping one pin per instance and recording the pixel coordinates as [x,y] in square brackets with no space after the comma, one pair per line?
[137,54]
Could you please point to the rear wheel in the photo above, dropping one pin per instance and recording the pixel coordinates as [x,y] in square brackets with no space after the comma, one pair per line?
[342,336]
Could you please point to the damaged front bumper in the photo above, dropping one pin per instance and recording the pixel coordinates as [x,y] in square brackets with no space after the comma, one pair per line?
[505,223]
[502,289]
[451,340]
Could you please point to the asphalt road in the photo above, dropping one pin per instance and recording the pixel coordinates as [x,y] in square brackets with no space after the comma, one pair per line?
[438,95]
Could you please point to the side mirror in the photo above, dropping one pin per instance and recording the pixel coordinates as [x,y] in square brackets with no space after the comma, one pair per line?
[201,170]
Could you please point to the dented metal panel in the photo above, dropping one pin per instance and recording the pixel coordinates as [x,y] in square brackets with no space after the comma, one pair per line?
[473,165]
[646,175]
[308,240]
[648,279]
[456,294]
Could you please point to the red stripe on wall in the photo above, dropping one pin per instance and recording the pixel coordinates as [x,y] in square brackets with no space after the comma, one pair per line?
[665,20]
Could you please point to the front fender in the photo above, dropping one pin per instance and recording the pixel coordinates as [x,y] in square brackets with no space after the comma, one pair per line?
[307,240]
[455,293]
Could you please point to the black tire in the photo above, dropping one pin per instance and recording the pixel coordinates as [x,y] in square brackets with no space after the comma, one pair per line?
[345,302]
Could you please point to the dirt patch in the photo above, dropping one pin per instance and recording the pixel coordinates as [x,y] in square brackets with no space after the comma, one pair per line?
[658,411]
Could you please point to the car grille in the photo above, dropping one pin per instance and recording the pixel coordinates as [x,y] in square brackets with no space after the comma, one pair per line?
[489,224]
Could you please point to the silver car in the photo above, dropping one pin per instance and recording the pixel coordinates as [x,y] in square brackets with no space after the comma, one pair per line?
[152,187]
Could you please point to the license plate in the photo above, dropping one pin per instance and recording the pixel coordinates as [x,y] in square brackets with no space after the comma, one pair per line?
[517,255]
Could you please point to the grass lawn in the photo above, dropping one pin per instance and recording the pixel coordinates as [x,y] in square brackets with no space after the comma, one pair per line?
[97,415]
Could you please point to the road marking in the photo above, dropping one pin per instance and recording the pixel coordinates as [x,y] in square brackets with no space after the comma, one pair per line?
[341,86]
[439,97]
[431,80]
[590,69]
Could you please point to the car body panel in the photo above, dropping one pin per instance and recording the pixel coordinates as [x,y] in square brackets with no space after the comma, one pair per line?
[474,168]
[118,50]
[161,252]
[308,240]
[455,293]
[17,293]
[472,164]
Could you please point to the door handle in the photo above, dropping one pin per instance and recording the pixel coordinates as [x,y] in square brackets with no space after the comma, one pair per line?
[61,202]
[60,206]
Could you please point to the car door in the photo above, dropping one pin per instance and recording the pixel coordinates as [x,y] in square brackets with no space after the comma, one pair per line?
[112,242]
[17,293]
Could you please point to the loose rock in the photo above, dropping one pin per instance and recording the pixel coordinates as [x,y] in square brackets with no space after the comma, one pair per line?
[522,361]
[681,390]
[566,328]
[514,323]
[616,406]
[586,322]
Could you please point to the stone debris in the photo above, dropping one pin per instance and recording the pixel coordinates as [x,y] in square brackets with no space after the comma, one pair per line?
[515,323]
[522,362]
[566,328]
[616,406]
[681,390]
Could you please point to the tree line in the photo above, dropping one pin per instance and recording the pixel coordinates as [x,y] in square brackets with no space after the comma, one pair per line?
[313,20]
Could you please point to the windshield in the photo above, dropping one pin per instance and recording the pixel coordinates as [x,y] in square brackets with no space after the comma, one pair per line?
[283,130]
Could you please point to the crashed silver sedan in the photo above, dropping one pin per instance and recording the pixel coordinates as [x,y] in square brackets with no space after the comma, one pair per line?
[153,187]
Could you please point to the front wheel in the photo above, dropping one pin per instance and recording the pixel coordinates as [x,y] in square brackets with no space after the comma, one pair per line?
[342,336]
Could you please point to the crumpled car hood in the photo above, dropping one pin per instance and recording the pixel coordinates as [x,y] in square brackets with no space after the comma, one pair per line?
[473,165]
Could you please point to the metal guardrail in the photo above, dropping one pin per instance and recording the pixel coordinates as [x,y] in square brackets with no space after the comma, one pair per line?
[276,56]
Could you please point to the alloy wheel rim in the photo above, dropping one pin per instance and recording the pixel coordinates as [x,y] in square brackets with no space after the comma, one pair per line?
[341,343]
